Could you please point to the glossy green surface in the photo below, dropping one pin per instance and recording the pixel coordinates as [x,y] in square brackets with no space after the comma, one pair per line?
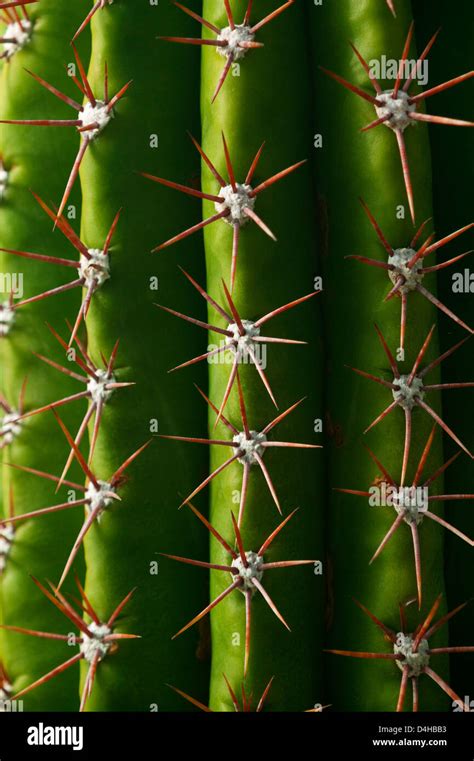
[121,550]
[352,164]
[38,158]
[269,101]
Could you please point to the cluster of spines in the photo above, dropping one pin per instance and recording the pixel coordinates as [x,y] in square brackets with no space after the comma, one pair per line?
[397,109]
[236,214]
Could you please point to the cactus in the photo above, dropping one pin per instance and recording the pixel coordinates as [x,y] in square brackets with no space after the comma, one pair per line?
[188,359]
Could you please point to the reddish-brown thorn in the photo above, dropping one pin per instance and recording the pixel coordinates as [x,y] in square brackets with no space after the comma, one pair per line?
[209,607]
[223,77]
[235,254]
[444,619]
[367,70]
[42,474]
[445,687]
[118,96]
[120,607]
[240,544]
[81,460]
[187,697]
[387,351]
[375,123]
[72,177]
[272,15]
[282,416]
[371,262]
[406,171]
[254,164]
[83,75]
[226,422]
[65,98]
[198,18]
[388,632]
[407,445]
[420,356]
[357,654]
[206,296]
[227,392]
[275,533]
[377,228]
[191,230]
[372,377]
[448,238]
[50,675]
[421,289]
[443,265]
[443,425]
[230,169]
[276,177]
[194,321]
[208,162]
[393,528]
[442,357]
[442,87]
[447,121]
[406,50]
[351,87]
[420,59]
[87,19]
[243,492]
[126,464]
[213,531]
[426,624]
[181,188]
[449,526]
[284,308]
[403,689]
[382,415]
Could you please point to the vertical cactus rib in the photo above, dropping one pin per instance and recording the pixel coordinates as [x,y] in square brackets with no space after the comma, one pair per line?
[248,112]
[39,547]
[453,166]
[370,167]
[146,521]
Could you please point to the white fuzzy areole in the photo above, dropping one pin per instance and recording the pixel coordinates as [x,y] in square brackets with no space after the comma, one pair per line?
[97,387]
[20,32]
[3,180]
[235,201]
[233,38]
[406,502]
[411,275]
[10,427]
[7,535]
[416,662]
[7,318]
[95,270]
[397,109]
[98,114]
[406,395]
[253,571]
[97,498]
[248,448]
[91,646]
[240,344]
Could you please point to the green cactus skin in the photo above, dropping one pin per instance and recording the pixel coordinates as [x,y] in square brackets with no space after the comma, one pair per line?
[40,161]
[250,109]
[122,548]
[453,157]
[349,165]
